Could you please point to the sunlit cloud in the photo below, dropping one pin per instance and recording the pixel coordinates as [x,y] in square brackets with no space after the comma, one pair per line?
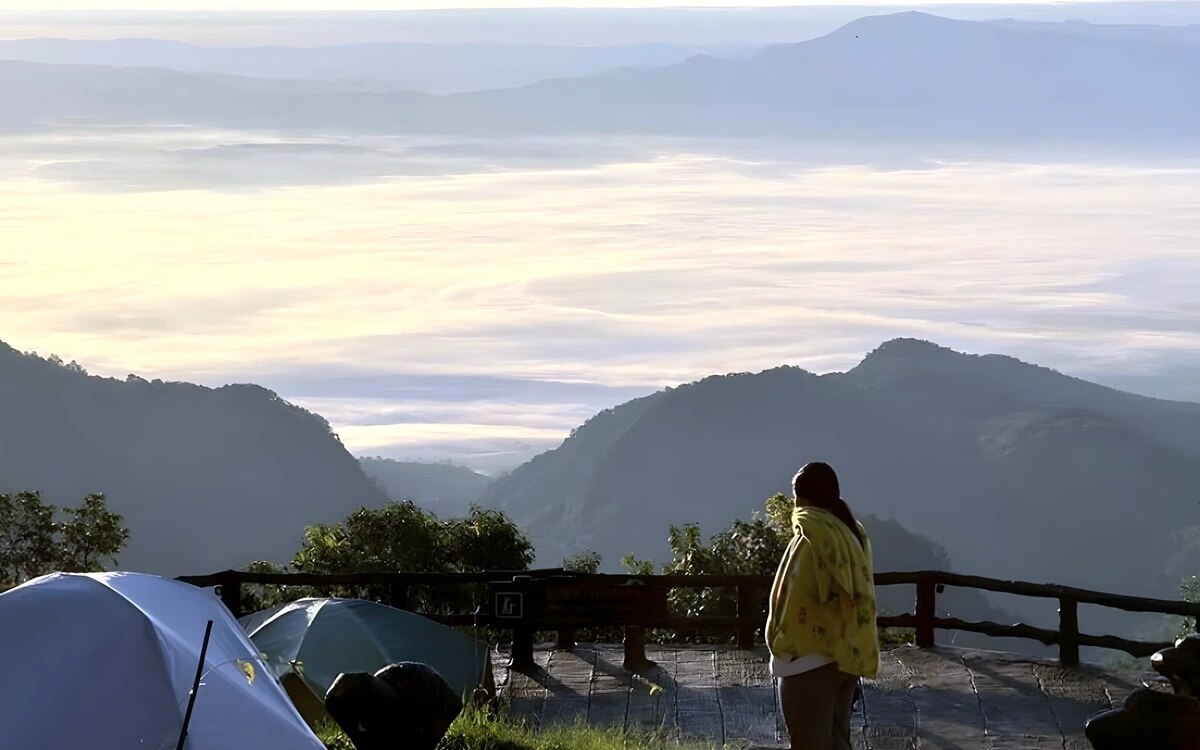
[505,303]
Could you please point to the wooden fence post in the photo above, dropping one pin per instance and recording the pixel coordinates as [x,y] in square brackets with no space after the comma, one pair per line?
[748,616]
[398,595]
[635,649]
[565,640]
[926,612]
[1068,626]
[522,648]
[230,589]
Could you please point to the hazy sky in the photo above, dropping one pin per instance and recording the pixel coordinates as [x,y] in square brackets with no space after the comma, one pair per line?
[259,22]
[431,309]
[377,5]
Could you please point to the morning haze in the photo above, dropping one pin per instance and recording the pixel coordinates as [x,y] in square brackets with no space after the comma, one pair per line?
[587,265]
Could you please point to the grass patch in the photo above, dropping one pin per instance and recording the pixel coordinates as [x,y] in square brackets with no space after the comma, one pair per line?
[481,730]
[892,637]
[333,738]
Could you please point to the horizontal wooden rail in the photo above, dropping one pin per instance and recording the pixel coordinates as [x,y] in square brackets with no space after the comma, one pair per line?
[319,580]
[1051,637]
[941,578]
[1042,590]
[907,621]
[749,591]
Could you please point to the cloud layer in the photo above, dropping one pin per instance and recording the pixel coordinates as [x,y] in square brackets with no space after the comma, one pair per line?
[482,311]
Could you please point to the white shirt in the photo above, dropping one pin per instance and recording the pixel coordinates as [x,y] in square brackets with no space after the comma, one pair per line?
[800,665]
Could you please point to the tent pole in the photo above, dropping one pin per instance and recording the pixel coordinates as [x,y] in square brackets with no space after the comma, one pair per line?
[187,717]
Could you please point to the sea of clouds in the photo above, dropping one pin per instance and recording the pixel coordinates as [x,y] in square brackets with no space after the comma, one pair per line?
[474,300]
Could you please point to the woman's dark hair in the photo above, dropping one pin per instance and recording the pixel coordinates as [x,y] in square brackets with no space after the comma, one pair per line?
[817,484]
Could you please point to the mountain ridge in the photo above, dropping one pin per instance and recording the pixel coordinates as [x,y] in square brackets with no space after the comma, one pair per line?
[378,66]
[207,478]
[984,454]
[899,76]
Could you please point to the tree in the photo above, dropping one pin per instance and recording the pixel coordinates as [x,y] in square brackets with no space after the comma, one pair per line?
[755,547]
[398,536]
[486,540]
[586,561]
[751,547]
[33,542]
[91,537]
[27,537]
[256,597]
[402,537]
[637,566]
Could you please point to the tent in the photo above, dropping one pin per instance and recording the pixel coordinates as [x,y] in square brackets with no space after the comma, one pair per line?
[310,642]
[106,661]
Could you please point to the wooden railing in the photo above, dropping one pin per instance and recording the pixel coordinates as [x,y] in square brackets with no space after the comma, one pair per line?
[749,617]
[229,585]
[1067,636]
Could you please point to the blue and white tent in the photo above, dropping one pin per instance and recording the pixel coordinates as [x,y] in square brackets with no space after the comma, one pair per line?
[106,661]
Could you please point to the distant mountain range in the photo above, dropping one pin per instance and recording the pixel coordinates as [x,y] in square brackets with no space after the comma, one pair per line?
[207,479]
[446,489]
[396,66]
[906,76]
[1018,471]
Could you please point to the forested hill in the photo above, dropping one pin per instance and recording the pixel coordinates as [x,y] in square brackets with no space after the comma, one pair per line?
[207,479]
[1015,470]
[1018,471]
[445,489]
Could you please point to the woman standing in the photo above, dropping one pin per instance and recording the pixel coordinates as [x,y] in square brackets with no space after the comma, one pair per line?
[821,627]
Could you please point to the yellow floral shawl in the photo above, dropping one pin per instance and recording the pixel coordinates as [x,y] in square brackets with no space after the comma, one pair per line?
[823,598]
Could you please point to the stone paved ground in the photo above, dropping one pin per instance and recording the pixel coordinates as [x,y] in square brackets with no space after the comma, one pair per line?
[943,698]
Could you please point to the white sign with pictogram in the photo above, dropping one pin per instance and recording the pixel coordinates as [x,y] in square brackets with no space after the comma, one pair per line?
[510,605]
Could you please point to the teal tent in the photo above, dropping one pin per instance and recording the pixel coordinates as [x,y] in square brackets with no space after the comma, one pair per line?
[309,642]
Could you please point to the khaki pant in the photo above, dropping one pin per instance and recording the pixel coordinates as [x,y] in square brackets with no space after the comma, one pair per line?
[816,707]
